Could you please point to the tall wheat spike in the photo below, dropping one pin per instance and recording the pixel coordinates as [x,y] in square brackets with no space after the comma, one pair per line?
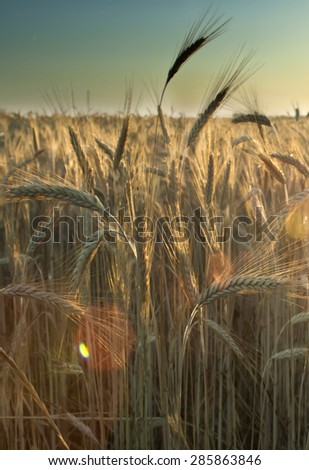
[82,160]
[229,80]
[291,160]
[199,35]
[236,284]
[254,118]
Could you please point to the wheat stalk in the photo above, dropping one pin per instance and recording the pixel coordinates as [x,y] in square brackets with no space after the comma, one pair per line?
[210,180]
[28,385]
[225,182]
[35,140]
[173,186]
[189,280]
[123,133]
[163,126]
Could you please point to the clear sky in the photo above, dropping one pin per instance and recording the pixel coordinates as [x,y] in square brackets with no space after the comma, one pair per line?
[101,45]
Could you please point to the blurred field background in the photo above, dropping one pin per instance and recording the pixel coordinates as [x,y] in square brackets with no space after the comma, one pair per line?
[179,350]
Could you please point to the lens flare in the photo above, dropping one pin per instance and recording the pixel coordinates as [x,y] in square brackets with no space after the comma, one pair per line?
[105,337]
[297,223]
[84,351]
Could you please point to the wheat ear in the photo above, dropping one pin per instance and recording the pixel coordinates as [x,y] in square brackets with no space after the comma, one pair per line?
[291,160]
[82,160]
[123,133]
[290,354]
[236,284]
[62,193]
[225,336]
[273,169]
[198,36]
[85,256]
[121,142]
[232,77]
[70,195]
[106,149]
[225,182]
[256,118]
[82,427]
[224,288]
[69,307]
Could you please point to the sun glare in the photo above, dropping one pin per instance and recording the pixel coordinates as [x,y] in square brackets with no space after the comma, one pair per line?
[84,352]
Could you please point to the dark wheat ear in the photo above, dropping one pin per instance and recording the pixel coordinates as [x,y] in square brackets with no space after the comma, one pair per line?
[255,117]
[228,81]
[122,139]
[82,159]
[199,35]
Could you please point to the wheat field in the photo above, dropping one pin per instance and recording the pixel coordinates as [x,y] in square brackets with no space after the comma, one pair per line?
[154,276]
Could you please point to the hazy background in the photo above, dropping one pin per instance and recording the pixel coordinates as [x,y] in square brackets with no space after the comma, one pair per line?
[100,45]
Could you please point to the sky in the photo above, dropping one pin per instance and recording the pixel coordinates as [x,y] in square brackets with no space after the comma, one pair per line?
[56,53]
